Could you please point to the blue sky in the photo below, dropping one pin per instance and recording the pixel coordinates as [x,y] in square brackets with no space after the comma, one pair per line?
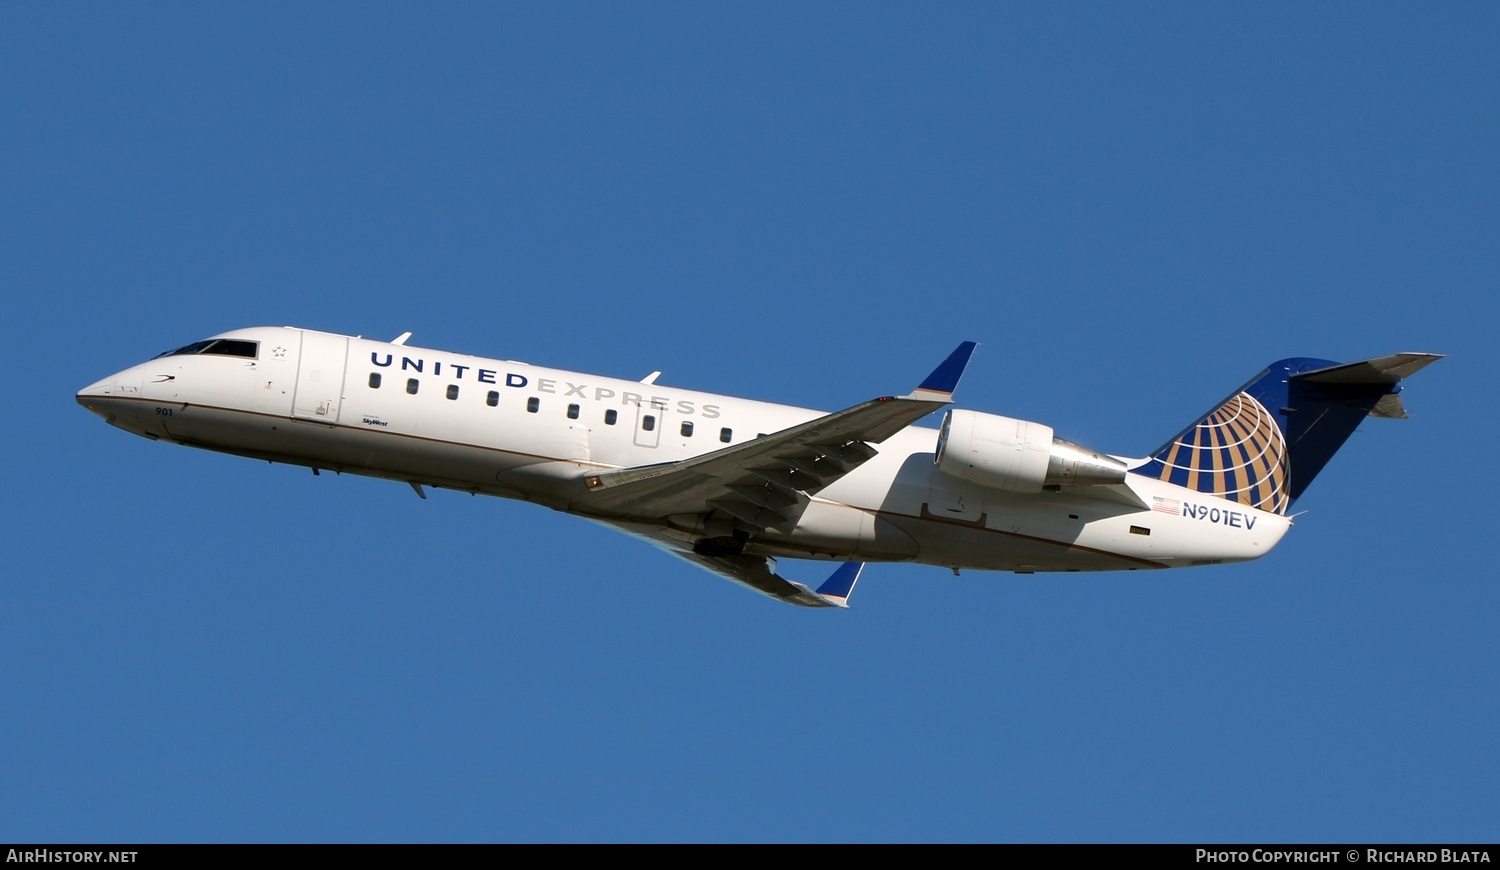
[1131,207]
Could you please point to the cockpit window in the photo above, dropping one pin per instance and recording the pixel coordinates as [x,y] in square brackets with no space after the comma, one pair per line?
[219,347]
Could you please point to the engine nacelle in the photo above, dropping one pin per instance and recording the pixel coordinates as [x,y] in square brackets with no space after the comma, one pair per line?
[1017,455]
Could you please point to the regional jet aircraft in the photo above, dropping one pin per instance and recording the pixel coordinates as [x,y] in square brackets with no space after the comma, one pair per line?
[732,485]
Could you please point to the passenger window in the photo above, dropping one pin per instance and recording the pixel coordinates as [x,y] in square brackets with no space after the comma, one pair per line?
[572,412]
[374,380]
[611,416]
[492,399]
[411,386]
[648,423]
[453,391]
[725,434]
[687,428]
[533,404]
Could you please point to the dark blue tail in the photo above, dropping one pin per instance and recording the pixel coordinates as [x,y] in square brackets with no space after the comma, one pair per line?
[1264,444]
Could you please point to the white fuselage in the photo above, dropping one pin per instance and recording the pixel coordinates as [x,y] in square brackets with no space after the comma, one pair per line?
[509,429]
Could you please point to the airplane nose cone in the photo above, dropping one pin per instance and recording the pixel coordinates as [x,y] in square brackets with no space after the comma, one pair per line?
[98,388]
[104,397]
[92,395]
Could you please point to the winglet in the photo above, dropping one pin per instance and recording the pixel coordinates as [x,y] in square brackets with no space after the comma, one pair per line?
[840,584]
[837,589]
[940,385]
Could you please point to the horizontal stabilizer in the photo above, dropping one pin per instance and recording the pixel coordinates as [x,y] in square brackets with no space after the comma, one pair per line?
[1383,371]
[1389,407]
[1380,370]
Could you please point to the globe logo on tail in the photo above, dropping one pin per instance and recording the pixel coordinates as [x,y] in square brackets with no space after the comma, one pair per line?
[1236,452]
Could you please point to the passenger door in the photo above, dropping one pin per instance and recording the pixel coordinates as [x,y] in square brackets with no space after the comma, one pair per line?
[320,377]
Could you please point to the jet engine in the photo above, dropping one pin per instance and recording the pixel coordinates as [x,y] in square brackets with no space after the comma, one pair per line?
[1017,455]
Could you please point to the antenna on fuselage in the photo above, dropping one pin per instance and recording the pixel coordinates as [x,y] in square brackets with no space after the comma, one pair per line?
[401,339]
[651,378]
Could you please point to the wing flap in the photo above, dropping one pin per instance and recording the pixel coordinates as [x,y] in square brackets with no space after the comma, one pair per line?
[752,515]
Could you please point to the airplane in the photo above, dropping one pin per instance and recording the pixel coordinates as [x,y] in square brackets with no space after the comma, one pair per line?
[732,484]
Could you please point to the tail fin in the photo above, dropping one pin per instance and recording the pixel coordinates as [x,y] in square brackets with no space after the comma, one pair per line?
[1264,444]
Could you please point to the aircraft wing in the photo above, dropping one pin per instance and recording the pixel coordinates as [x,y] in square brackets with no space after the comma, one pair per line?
[759,573]
[766,482]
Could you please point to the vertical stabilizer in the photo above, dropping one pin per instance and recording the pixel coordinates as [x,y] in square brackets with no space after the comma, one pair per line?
[1266,442]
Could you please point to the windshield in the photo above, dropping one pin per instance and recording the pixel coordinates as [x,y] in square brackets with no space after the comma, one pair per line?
[217,346]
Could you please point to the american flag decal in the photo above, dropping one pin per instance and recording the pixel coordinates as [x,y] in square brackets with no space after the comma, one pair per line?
[1166,505]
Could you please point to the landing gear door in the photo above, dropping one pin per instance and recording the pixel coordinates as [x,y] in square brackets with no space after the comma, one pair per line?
[320,377]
